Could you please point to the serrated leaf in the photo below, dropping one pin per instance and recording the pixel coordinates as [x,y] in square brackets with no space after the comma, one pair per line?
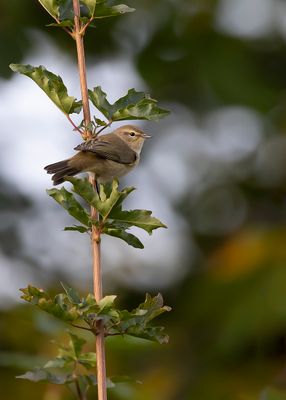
[103,11]
[107,199]
[90,4]
[51,6]
[30,293]
[156,334]
[100,122]
[58,306]
[52,85]
[77,228]
[72,294]
[154,306]
[120,233]
[42,375]
[106,303]
[145,109]
[69,203]
[99,100]
[84,189]
[141,218]
[133,106]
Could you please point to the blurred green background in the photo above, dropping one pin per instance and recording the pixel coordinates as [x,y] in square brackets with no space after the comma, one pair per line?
[215,172]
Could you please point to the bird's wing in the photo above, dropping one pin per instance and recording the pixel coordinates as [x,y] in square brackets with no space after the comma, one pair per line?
[113,149]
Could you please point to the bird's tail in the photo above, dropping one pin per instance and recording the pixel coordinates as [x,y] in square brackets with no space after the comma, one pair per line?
[60,170]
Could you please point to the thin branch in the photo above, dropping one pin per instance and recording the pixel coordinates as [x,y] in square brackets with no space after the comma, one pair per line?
[57,21]
[76,128]
[81,65]
[80,394]
[104,127]
[95,234]
[83,29]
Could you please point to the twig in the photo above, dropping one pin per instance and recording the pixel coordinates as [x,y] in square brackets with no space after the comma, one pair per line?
[76,128]
[95,234]
[83,29]
[104,127]
[81,65]
[81,395]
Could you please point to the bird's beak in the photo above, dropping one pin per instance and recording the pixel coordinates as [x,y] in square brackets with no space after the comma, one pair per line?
[145,136]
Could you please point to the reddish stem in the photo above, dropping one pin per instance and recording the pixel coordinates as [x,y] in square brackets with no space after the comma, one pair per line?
[95,234]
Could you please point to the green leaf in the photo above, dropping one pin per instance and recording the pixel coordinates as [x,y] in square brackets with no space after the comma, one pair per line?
[69,307]
[69,203]
[42,375]
[98,98]
[30,293]
[90,4]
[78,228]
[106,303]
[156,334]
[103,11]
[66,24]
[51,6]
[107,199]
[154,306]
[120,233]
[52,85]
[100,122]
[72,294]
[145,109]
[75,345]
[59,307]
[109,203]
[88,360]
[140,218]
[58,362]
[137,323]
[133,106]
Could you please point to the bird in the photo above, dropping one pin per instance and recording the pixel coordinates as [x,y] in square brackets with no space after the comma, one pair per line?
[107,156]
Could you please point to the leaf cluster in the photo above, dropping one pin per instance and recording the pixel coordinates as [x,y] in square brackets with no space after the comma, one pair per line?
[86,312]
[132,106]
[90,10]
[70,367]
[112,220]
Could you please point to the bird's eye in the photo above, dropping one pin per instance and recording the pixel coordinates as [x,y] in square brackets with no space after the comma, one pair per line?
[132,134]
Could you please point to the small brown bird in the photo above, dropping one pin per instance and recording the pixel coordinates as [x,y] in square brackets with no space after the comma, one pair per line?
[107,156]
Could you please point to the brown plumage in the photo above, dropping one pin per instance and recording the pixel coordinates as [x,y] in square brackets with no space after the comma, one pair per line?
[60,170]
[107,156]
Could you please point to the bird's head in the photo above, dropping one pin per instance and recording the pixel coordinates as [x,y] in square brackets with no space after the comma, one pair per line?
[133,136]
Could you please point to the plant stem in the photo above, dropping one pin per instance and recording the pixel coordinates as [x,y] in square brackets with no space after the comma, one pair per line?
[95,234]
[81,65]
[81,396]
[74,125]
